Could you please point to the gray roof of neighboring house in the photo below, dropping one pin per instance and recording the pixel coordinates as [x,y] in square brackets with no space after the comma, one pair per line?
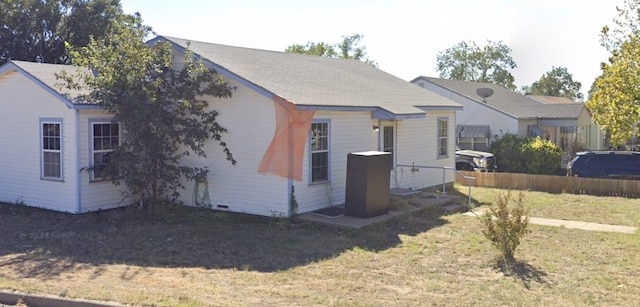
[317,82]
[46,75]
[552,99]
[508,101]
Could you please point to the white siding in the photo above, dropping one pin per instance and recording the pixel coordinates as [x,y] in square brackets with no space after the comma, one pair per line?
[97,195]
[416,144]
[250,119]
[23,104]
[349,132]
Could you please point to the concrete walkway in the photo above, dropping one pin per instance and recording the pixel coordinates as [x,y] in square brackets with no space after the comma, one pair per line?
[573,224]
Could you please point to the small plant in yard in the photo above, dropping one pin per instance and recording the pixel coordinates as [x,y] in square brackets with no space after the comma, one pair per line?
[293,203]
[505,226]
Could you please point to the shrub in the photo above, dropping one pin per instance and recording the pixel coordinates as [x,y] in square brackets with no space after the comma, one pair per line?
[541,156]
[505,226]
[508,151]
[517,154]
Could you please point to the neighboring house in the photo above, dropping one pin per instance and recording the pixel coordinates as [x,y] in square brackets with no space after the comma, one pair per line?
[291,123]
[491,110]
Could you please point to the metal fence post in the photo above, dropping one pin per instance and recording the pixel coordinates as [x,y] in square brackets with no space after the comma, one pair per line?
[444,181]
[469,199]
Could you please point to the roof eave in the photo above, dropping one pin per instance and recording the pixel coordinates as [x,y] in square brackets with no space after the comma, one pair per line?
[440,108]
[10,66]
[376,112]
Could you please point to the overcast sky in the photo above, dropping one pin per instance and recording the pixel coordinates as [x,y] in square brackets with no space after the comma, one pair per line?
[402,36]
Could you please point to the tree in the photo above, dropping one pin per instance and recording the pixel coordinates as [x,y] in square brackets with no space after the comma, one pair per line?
[626,25]
[164,111]
[556,82]
[36,30]
[470,62]
[348,48]
[614,98]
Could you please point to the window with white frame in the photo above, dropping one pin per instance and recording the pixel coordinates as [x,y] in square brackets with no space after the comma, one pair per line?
[479,144]
[443,137]
[105,138]
[51,133]
[319,149]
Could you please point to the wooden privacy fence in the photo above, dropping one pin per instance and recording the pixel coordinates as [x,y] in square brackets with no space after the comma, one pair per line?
[554,184]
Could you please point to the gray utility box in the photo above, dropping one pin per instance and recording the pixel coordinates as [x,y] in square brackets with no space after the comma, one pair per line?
[368,179]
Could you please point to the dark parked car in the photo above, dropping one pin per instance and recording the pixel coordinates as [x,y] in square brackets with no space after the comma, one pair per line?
[605,164]
[472,160]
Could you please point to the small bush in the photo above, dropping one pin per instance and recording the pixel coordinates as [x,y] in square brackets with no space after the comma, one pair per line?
[529,155]
[505,226]
[541,156]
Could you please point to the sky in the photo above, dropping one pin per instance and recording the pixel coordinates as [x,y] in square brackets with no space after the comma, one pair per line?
[402,36]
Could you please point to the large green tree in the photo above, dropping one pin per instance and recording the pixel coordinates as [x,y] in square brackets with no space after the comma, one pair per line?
[556,82]
[36,30]
[614,98]
[468,61]
[625,26]
[164,111]
[614,102]
[348,48]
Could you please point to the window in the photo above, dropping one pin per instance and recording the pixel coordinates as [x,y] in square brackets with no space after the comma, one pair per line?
[479,144]
[443,137]
[387,141]
[319,152]
[106,136]
[51,149]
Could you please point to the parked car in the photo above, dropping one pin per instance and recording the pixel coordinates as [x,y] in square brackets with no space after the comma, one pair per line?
[471,160]
[605,164]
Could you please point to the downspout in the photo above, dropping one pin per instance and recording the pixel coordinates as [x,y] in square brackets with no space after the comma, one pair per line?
[78,173]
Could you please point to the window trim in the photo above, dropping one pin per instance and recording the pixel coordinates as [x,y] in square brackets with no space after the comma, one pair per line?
[328,150]
[439,138]
[92,122]
[42,122]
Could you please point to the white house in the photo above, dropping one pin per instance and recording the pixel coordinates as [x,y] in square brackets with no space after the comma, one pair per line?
[491,110]
[291,122]
[48,140]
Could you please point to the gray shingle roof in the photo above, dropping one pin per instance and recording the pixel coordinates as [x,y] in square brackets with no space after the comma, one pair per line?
[508,101]
[318,81]
[46,73]
[552,99]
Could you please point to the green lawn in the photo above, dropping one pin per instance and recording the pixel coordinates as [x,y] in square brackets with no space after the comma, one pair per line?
[181,256]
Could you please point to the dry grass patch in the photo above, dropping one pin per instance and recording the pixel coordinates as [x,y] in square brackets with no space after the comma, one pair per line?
[178,256]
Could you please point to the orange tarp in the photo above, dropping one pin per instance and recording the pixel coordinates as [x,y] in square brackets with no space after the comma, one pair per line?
[284,155]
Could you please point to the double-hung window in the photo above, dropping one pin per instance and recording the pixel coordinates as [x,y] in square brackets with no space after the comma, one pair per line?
[443,137]
[319,149]
[51,146]
[105,138]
